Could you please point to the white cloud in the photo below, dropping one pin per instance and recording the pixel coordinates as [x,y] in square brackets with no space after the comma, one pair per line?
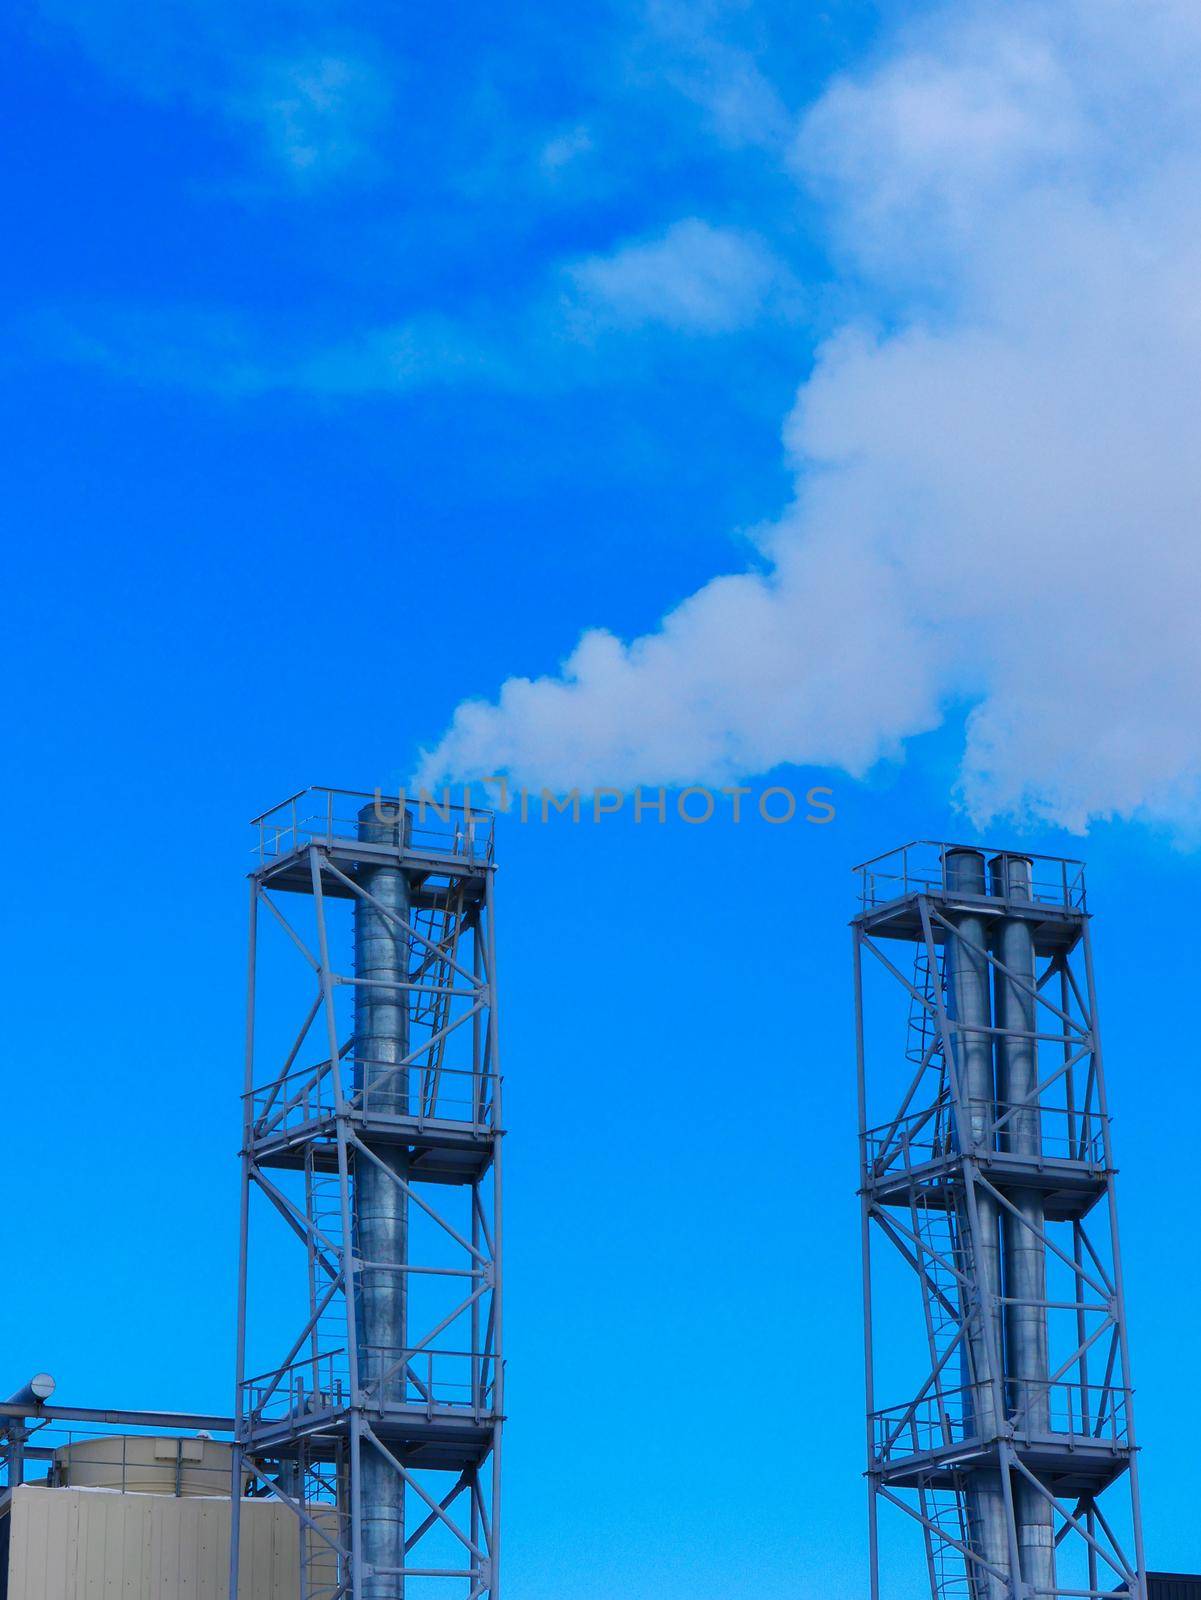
[189,346]
[999,496]
[217,353]
[297,75]
[696,278]
[724,80]
[319,115]
[421,352]
[565,148]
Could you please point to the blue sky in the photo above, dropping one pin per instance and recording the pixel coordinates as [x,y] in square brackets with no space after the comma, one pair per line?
[833,378]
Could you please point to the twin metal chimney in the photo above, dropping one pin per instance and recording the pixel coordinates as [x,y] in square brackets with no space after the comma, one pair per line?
[986,1164]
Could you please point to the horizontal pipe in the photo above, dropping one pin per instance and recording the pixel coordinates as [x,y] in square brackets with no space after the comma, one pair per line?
[38,1390]
[185,1421]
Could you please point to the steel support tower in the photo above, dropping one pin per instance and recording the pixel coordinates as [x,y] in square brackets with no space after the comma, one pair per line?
[987,1184]
[370,1370]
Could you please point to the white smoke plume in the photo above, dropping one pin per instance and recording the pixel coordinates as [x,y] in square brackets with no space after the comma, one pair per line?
[998,482]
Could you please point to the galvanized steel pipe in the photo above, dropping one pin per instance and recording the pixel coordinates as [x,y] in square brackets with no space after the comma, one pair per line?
[35,1393]
[1024,1253]
[970,1012]
[381,1039]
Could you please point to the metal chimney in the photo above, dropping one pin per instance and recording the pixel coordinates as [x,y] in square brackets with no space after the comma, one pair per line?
[372,1128]
[969,1012]
[381,1042]
[1023,1228]
[986,1164]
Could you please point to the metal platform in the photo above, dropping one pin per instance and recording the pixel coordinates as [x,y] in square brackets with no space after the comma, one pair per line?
[1070,1468]
[894,886]
[1070,1190]
[434,1439]
[436,876]
[438,1152]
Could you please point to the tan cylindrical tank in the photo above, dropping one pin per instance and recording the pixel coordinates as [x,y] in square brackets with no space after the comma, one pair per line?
[144,1465]
[149,1519]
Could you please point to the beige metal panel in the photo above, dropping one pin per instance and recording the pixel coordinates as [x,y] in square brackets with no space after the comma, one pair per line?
[97,1544]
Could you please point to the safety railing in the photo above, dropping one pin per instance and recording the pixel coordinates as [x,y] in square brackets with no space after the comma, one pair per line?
[419,1093]
[121,1459]
[310,1386]
[921,868]
[933,1422]
[433,1380]
[428,1093]
[437,826]
[1078,1412]
[911,1141]
[1067,1411]
[1052,1133]
[1059,1133]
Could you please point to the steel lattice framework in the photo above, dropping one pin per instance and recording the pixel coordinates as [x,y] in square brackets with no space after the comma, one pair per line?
[987,1184]
[371,1158]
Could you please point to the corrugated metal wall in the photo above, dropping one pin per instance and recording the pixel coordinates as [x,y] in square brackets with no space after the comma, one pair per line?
[1172,1586]
[97,1544]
